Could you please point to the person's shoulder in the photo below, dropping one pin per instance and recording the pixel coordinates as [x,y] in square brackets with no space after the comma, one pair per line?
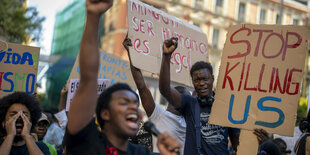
[137,149]
[43,147]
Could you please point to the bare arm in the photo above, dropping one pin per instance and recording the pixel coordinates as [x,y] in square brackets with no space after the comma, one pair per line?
[172,95]
[85,100]
[145,94]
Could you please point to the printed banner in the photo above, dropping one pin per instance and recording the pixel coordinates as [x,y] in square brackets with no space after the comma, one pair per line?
[149,27]
[74,84]
[260,78]
[18,68]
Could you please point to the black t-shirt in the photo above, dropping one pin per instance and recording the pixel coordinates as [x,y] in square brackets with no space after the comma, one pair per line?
[23,150]
[214,138]
[93,142]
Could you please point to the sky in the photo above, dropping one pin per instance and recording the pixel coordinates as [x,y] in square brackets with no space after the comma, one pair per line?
[48,9]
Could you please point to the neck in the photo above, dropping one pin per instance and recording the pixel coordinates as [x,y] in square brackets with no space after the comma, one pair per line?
[19,143]
[115,139]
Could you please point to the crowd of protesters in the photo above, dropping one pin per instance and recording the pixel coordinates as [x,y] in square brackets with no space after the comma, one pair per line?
[117,127]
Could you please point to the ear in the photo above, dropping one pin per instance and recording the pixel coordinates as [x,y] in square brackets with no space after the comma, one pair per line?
[105,114]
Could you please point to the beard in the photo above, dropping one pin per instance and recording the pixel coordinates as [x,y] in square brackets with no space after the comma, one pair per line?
[17,138]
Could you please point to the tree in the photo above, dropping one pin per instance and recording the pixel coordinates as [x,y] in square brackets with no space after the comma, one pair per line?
[19,24]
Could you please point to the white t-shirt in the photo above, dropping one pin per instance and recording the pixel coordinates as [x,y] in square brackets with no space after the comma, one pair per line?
[166,121]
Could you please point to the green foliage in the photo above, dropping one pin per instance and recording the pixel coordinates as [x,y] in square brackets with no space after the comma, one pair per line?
[19,24]
[301,112]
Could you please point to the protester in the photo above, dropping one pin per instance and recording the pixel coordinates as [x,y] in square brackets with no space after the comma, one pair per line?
[54,134]
[169,120]
[41,129]
[18,114]
[201,137]
[116,109]
[302,146]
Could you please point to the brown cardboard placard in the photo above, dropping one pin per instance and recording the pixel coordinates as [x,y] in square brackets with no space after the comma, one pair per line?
[18,68]
[110,67]
[260,77]
[248,143]
[149,27]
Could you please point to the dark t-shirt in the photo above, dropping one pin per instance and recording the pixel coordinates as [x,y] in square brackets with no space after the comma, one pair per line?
[213,137]
[93,142]
[23,150]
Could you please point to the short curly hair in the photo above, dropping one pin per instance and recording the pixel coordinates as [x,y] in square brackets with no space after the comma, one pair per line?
[23,98]
[201,65]
[105,98]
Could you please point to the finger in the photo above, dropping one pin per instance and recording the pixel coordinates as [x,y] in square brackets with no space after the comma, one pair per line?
[25,118]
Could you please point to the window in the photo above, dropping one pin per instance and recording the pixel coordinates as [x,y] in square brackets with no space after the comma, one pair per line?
[219,6]
[262,16]
[199,4]
[295,21]
[215,38]
[278,21]
[219,3]
[241,12]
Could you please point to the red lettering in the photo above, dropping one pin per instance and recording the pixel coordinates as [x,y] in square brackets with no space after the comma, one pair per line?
[135,27]
[246,79]
[226,77]
[177,58]
[142,25]
[203,48]
[295,83]
[150,28]
[137,44]
[278,84]
[238,55]
[271,79]
[282,45]
[146,44]
[259,39]
[241,78]
[261,78]
[292,45]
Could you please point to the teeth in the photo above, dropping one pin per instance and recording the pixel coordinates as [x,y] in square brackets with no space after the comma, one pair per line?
[132,116]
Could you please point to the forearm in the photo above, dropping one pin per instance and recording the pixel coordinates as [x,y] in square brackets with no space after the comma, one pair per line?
[33,148]
[164,77]
[89,52]
[6,146]
[62,101]
[84,102]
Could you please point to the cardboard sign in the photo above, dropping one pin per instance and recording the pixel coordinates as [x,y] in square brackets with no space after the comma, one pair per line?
[110,67]
[260,78]
[74,85]
[18,68]
[149,27]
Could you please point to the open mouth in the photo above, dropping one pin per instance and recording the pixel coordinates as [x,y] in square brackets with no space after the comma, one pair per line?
[132,120]
[19,127]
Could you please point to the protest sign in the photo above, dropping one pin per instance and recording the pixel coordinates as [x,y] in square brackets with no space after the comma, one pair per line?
[18,68]
[260,77]
[74,84]
[110,67]
[148,27]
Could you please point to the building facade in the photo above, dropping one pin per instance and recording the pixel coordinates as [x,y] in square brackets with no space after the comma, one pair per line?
[212,16]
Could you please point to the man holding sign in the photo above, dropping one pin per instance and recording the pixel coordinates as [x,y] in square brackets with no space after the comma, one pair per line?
[207,138]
